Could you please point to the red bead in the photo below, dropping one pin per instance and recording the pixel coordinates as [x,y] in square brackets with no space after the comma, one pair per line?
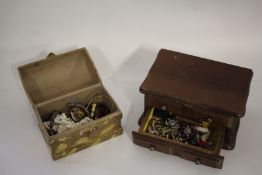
[201,142]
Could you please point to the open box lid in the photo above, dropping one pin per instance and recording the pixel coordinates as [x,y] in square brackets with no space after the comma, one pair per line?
[58,75]
[199,83]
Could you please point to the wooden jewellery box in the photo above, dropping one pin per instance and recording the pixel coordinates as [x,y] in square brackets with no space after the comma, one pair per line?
[205,94]
[57,80]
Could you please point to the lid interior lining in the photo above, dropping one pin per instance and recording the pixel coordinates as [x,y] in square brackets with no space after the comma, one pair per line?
[58,75]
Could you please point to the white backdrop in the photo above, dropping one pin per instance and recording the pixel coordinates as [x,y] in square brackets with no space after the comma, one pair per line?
[123,37]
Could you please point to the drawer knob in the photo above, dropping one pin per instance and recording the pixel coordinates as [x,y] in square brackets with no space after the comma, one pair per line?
[197,162]
[152,148]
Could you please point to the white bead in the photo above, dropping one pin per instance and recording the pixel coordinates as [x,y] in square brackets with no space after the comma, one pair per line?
[62,123]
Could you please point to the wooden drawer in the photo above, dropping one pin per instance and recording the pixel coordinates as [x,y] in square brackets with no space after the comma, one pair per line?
[193,153]
[158,144]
